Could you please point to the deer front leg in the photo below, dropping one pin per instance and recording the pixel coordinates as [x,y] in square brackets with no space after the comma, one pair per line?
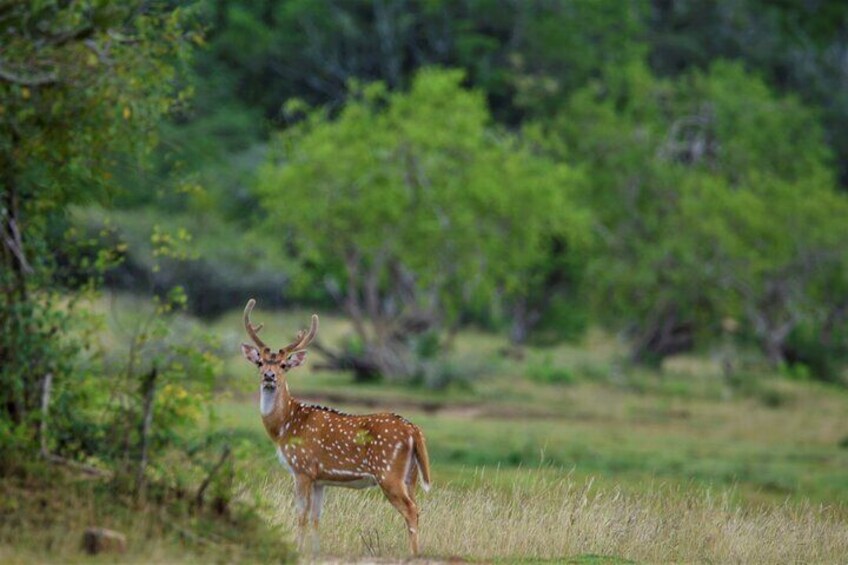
[317,504]
[303,502]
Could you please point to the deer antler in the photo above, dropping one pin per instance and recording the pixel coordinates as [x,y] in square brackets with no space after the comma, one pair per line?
[303,338]
[252,330]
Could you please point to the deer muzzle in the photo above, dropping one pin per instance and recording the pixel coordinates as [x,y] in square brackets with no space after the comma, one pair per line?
[269,380]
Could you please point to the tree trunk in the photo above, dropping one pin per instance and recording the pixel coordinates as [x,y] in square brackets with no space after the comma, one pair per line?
[14,288]
[667,335]
[775,351]
[149,392]
[772,332]
[835,318]
[524,320]
[519,327]
[774,343]
[383,317]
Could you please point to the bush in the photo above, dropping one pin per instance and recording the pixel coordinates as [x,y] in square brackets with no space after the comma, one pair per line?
[547,372]
[808,357]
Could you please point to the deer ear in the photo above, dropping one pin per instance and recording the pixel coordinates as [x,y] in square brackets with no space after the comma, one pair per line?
[250,353]
[296,359]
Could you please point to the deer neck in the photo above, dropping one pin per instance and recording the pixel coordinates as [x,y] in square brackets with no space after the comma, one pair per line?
[275,406]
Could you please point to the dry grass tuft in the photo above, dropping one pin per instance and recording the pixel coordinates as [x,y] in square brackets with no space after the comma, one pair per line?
[548,519]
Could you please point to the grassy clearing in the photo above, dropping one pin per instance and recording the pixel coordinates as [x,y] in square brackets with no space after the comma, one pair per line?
[534,517]
[764,454]
[683,466]
[661,488]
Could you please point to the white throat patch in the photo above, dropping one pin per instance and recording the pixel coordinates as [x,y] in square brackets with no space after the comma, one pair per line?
[266,400]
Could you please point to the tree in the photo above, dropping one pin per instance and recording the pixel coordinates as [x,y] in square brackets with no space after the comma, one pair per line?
[414,208]
[666,158]
[81,86]
[775,248]
[768,222]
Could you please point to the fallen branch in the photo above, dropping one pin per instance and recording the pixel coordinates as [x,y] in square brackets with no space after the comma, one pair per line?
[77,466]
[34,80]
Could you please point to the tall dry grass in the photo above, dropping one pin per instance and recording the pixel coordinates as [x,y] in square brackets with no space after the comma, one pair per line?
[549,519]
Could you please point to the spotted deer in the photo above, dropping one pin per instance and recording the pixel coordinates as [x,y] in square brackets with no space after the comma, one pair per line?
[323,447]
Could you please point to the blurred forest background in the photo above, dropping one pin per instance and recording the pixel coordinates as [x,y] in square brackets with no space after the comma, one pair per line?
[668,179]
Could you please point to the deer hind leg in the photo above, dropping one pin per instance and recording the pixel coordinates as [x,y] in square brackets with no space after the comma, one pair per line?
[411,478]
[317,504]
[398,495]
[303,501]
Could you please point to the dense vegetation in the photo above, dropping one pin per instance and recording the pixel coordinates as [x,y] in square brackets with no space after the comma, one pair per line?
[672,173]
[681,165]
[83,92]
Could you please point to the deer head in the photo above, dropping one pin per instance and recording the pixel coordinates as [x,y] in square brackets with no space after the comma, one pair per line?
[273,365]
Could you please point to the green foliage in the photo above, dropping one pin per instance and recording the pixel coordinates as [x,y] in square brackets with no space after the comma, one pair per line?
[81,86]
[796,46]
[82,91]
[814,354]
[547,372]
[648,105]
[206,255]
[693,188]
[435,207]
[84,85]
[525,56]
[567,45]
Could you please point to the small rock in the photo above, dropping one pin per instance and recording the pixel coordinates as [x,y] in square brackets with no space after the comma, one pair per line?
[101,540]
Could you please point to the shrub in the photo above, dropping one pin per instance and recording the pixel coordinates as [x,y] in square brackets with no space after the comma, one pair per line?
[547,372]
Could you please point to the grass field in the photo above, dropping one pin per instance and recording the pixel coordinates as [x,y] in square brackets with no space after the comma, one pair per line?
[566,455]
[639,503]
[678,465]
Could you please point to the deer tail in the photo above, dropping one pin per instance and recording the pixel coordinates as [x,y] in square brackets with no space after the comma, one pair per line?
[422,459]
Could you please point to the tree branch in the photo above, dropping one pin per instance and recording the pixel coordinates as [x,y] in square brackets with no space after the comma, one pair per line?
[198,499]
[14,243]
[71,35]
[101,53]
[34,80]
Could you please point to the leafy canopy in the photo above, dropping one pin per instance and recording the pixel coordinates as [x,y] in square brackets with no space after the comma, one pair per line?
[708,190]
[419,179]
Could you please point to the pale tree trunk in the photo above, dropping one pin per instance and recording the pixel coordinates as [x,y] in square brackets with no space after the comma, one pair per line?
[524,319]
[773,336]
[384,316]
[149,392]
[773,319]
